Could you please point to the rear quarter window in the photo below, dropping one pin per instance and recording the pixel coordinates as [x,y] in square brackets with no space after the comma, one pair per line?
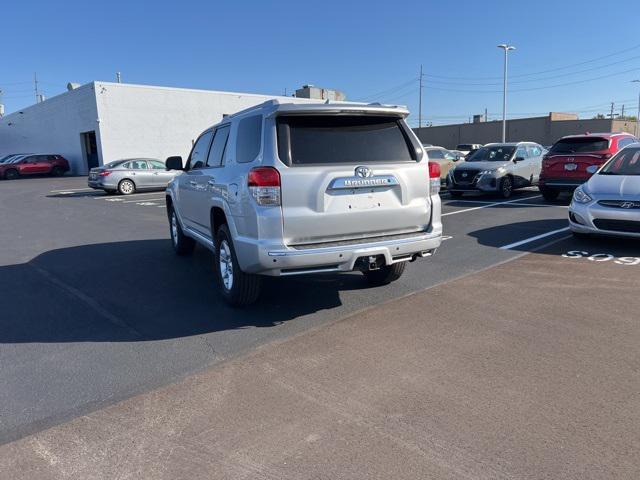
[249,139]
[330,139]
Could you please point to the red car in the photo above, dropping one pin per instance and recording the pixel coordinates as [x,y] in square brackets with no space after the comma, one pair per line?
[23,165]
[573,159]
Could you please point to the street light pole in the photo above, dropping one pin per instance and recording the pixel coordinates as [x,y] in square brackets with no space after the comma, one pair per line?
[506,49]
[637,130]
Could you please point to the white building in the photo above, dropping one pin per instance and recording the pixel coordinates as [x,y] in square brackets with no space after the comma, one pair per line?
[99,122]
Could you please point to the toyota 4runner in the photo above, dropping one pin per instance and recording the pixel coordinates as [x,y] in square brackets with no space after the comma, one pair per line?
[297,188]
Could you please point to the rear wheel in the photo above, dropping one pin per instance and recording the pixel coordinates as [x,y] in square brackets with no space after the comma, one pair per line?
[11,174]
[549,195]
[182,244]
[386,274]
[237,287]
[126,187]
[56,171]
[506,187]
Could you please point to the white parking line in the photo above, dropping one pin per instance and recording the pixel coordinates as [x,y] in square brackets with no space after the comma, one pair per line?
[144,200]
[494,204]
[135,195]
[533,239]
[64,190]
[513,202]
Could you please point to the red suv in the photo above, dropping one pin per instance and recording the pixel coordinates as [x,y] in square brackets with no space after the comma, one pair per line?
[20,165]
[573,159]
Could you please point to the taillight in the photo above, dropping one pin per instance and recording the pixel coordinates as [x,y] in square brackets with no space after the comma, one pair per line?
[434,176]
[264,185]
[105,173]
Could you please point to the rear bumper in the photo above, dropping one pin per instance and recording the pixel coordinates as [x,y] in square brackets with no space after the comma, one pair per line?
[289,261]
[276,259]
[101,184]
[561,184]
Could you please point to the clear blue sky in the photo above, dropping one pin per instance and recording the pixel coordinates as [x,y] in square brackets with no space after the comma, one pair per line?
[371,50]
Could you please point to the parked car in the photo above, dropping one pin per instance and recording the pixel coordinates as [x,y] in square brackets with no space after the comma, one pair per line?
[288,189]
[573,159]
[130,175]
[467,148]
[609,203]
[443,157]
[33,164]
[498,168]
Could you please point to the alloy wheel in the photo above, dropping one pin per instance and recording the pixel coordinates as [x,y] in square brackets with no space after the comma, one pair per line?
[226,265]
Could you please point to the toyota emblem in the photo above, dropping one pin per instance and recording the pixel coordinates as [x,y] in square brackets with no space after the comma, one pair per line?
[363,172]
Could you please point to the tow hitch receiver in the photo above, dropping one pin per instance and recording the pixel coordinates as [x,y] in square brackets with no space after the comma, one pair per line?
[371,262]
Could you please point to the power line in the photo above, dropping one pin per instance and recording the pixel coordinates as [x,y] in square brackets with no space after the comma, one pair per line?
[542,71]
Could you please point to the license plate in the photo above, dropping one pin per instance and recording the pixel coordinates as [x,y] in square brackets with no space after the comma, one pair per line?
[571,167]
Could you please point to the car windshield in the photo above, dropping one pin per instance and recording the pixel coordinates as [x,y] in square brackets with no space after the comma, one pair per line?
[580,145]
[625,162]
[497,153]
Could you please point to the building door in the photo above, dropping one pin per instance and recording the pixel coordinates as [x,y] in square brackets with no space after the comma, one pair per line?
[90,149]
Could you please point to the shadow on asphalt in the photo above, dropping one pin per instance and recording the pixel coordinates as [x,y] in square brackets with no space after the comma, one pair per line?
[140,291]
[502,235]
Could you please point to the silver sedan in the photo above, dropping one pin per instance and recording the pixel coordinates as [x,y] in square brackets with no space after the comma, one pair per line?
[130,175]
[609,203]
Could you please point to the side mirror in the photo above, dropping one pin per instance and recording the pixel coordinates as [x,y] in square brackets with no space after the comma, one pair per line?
[174,163]
[518,159]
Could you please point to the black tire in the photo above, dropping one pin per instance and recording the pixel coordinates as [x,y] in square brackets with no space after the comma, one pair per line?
[57,172]
[182,244]
[386,274]
[11,174]
[243,288]
[549,195]
[506,187]
[126,187]
[456,194]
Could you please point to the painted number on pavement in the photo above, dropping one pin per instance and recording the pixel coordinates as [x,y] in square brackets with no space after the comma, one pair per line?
[602,257]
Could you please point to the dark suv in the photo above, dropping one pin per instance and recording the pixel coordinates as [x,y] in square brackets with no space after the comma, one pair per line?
[37,164]
[573,159]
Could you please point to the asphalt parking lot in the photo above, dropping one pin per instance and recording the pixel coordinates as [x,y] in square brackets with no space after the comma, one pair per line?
[96,308]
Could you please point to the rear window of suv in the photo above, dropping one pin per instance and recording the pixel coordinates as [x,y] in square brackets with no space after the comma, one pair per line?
[324,139]
[580,145]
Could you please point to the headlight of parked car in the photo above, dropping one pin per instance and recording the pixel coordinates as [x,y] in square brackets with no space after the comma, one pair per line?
[580,196]
[497,171]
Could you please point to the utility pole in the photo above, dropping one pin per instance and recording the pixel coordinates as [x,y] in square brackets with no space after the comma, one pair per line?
[637,131]
[506,49]
[420,101]
[486,115]
[118,77]
[622,112]
[35,86]
[611,114]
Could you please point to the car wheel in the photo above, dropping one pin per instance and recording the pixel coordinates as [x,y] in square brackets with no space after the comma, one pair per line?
[549,195]
[506,187]
[182,244]
[56,172]
[237,287]
[11,174]
[126,187]
[386,274]
[456,194]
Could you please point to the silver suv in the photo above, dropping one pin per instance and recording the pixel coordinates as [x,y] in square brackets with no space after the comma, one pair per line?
[291,188]
[497,168]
